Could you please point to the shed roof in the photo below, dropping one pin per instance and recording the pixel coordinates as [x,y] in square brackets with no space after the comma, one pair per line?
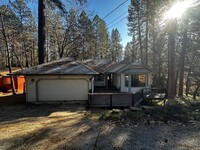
[65,66]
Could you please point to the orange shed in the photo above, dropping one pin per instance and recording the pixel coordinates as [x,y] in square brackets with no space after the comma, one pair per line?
[18,81]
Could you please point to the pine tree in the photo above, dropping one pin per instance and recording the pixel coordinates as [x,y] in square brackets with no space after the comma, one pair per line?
[128,52]
[101,38]
[135,24]
[115,46]
[9,25]
[41,26]
[87,35]
[24,15]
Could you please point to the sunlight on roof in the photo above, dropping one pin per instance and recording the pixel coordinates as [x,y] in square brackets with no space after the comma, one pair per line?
[178,9]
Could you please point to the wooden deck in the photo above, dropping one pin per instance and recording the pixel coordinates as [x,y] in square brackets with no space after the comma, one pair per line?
[112,97]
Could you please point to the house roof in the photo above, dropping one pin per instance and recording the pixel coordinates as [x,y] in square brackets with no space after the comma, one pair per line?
[65,66]
[115,68]
[99,65]
[129,67]
[137,71]
[134,67]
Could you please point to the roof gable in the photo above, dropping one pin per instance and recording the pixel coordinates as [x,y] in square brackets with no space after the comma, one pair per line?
[129,67]
[134,68]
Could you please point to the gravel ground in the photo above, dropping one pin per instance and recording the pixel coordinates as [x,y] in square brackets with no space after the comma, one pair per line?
[60,127]
[148,137]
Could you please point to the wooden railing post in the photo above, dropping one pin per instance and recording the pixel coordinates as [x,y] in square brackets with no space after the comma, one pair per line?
[88,100]
[142,93]
[133,102]
[111,101]
[166,94]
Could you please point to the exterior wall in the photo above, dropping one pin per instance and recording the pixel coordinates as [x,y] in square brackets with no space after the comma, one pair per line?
[149,79]
[134,89]
[118,81]
[31,84]
[115,80]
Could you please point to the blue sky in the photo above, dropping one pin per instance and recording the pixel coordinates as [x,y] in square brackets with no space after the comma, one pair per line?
[102,8]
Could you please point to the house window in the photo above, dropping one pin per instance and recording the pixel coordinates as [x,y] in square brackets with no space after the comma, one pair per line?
[136,80]
[99,77]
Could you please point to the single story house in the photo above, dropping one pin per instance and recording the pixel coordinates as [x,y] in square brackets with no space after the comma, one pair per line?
[67,79]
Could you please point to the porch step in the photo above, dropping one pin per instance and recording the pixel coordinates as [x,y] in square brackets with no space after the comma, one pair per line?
[136,108]
[138,102]
[148,107]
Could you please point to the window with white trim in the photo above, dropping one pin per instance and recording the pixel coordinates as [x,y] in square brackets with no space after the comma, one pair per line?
[137,80]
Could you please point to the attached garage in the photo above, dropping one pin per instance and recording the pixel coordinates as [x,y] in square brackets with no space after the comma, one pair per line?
[57,81]
[61,90]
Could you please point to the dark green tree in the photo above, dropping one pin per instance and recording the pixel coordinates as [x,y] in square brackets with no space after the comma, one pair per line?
[115,46]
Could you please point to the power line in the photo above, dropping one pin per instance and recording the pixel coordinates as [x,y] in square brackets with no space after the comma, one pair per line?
[116,18]
[117,22]
[103,19]
[115,9]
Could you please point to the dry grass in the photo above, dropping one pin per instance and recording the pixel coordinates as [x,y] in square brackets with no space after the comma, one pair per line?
[24,126]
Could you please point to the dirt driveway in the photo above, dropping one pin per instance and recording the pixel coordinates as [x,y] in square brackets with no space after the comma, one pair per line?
[61,127]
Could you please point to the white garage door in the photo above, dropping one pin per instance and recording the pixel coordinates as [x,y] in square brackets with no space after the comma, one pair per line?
[55,90]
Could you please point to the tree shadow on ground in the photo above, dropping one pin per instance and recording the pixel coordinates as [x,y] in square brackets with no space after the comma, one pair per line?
[56,135]
[54,126]
[14,107]
[10,100]
[60,127]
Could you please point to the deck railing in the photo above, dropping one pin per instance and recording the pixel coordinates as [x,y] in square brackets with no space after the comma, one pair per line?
[159,90]
[114,99]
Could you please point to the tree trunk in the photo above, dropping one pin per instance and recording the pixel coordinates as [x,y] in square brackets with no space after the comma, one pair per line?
[34,59]
[187,83]
[182,57]
[176,80]
[196,90]
[8,54]
[140,36]
[171,58]
[147,32]
[155,75]
[188,76]
[6,60]
[18,60]
[41,30]
[47,48]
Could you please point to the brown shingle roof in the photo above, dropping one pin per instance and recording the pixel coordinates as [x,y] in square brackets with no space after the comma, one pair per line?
[62,67]
[67,66]
[99,65]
